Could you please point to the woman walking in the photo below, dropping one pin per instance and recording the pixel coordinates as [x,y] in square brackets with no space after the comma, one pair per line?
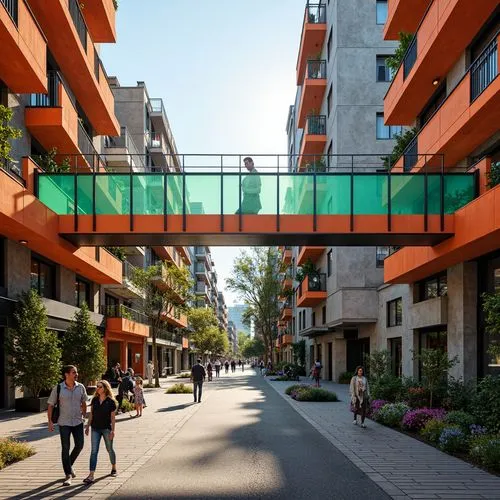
[102,421]
[139,397]
[209,371]
[360,395]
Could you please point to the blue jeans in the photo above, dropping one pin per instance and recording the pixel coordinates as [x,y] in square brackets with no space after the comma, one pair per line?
[96,441]
[197,388]
[65,432]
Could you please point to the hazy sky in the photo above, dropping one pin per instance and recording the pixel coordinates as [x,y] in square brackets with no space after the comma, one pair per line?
[224,68]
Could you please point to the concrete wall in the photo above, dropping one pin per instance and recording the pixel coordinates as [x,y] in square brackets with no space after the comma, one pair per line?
[18,268]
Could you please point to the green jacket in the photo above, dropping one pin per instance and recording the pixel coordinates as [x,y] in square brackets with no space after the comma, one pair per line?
[250,187]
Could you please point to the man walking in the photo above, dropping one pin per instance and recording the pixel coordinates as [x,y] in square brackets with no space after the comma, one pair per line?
[70,397]
[217,368]
[126,386]
[198,377]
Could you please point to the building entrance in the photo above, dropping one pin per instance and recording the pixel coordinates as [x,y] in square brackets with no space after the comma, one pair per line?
[356,352]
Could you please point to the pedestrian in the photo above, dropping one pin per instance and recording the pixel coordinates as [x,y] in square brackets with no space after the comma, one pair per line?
[261,366]
[217,368]
[102,422]
[150,372]
[197,377]
[250,189]
[360,395]
[269,366]
[68,402]
[233,365]
[226,366]
[138,397]
[239,362]
[243,365]
[316,372]
[209,371]
[126,386]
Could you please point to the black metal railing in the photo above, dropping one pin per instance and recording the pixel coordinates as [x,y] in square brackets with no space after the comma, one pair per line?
[410,57]
[121,311]
[89,152]
[316,282]
[316,13]
[484,70]
[316,69]
[51,99]
[11,6]
[163,334]
[78,21]
[410,155]
[316,124]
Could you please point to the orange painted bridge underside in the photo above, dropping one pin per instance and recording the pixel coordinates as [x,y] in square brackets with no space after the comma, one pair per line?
[255,230]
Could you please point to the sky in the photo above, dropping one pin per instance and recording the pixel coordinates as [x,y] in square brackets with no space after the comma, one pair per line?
[225,70]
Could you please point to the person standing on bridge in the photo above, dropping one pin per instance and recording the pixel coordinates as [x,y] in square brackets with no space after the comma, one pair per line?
[250,189]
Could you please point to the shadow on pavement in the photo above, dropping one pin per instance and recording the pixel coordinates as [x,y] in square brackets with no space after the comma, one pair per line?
[175,408]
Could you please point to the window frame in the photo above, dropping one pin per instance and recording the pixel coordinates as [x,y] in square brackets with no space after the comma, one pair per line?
[377,4]
[82,281]
[51,269]
[329,44]
[398,312]
[329,101]
[329,262]
[441,280]
[379,264]
[393,129]
[388,72]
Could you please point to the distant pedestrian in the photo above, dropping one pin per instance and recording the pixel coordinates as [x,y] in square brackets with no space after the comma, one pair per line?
[243,366]
[209,371]
[360,395]
[150,369]
[261,366]
[226,366]
[316,372]
[198,375]
[126,386]
[102,422]
[269,366]
[70,400]
[233,365]
[217,368]
[138,397]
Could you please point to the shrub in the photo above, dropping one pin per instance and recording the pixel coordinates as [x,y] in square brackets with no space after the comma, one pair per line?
[461,419]
[184,375]
[294,387]
[345,378]
[485,450]
[432,430]
[416,397]
[452,439]
[12,451]
[127,405]
[459,395]
[477,430]
[313,394]
[391,414]
[387,387]
[375,406]
[283,378]
[486,403]
[415,420]
[179,389]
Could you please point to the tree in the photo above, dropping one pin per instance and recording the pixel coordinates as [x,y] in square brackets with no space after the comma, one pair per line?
[254,280]
[33,350]
[206,336]
[82,346]
[378,364]
[491,308]
[165,288]
[299,352]
[253,348]
[242,338]
[394,61]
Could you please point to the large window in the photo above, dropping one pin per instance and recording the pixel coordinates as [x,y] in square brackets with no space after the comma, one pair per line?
[386,131]
[43,277]
[430,288]
[82,292]
[382,253]
[395,312]
[384,73]
[381,11]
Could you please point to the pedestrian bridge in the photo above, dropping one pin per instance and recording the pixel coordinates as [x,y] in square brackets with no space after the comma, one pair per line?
[204,205]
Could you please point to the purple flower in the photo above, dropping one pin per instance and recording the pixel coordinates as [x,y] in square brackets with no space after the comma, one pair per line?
[414,420]
[477,430]
[375,405]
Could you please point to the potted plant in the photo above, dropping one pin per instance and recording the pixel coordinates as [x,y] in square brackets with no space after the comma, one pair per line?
[7,134]
[33,353]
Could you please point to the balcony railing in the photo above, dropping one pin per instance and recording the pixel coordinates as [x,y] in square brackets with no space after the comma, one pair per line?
[316,13]
[410,57]
[12,8]
[410,155]
[89,152]
[316,282]
[316,124]
[51,99]
[156,140]
[316,69]
[484,70]
[128,270]
[157,105]
[78,21]
[121,311]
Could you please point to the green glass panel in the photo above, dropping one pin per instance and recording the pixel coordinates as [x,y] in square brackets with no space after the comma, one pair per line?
[265,202]
[174,194]
[434,194]
[148,194]
[204,193]
[370,194]
[296,194]
[231,193]
[112,194]
[458,191]
[407,194]
[85,194]
[57,192]
[333,194]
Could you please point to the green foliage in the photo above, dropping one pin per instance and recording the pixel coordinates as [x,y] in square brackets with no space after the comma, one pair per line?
[378,364]
[388,388]
[432,430]
[459,395]
[7,133]
[305,270]
[345,378]
[314,394]
[33,351]
[485,450]
[206,335]
[184,375]
[179,389]
[48,163]
[242,337]
[253,348]
[493,175]
[491,309]
[452,439]
[395,60]
[486,403]
[118,252]
[316,166]
[391,414]
[294,387]
[12,451]
[82,346]
[127,405]
[461,419]
[402,142]
[435,365]
[299,352]
[115,4]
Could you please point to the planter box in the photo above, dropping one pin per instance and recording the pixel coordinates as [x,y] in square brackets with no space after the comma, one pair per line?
[33,405]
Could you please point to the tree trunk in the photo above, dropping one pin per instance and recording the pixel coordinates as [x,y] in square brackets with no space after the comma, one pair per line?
[155,357]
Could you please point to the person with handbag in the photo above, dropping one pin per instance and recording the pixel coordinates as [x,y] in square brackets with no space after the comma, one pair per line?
[67,407]
[360,395]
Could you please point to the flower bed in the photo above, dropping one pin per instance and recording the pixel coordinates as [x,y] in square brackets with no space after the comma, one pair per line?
[301,392]
[179,389]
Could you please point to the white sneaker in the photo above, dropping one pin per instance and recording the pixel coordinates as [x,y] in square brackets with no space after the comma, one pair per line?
[73,475]
[363,425]
[67,481]
[355,422]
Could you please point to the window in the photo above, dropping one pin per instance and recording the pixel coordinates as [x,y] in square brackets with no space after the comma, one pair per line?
[386,131]
[384,73]
[381,11]
[82,292]
[435,286]
[329,46]
[396,349]
[382,253]
[329,100]
[313,318]
[395,312]
[329,262]
[323,315]
[43,278]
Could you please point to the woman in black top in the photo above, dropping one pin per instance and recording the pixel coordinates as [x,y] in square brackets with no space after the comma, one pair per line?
[102,421]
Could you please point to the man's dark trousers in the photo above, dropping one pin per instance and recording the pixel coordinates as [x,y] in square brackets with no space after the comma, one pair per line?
[65,432]
[197,389]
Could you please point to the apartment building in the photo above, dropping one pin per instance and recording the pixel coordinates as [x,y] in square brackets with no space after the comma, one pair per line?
[222,312]
[337,119]
[232,336]
[448,88]
[53,80]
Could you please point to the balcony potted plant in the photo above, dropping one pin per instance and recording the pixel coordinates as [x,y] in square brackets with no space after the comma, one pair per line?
[7,134]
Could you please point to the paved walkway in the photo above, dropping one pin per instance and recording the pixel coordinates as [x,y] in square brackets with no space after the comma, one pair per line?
[402,466]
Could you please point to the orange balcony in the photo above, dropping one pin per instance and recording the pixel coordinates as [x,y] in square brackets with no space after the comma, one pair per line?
[100,17]
[313,90]
[169,254]
[127,327]
[286,256]
[63,25]
[177,319]
[312,291]
[24,60]
[445,32]
[286,314]
[477,232]
[286,340]
[287,283]
[312,253]
[402,17]
[24,218]
[313,141]
[183,251]
[312,38]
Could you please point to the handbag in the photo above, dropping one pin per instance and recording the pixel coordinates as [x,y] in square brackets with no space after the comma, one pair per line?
[55,411]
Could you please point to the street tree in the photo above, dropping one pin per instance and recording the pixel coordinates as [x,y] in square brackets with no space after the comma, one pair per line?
[242,337]
[206,335]
[253,348]
[165,290]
